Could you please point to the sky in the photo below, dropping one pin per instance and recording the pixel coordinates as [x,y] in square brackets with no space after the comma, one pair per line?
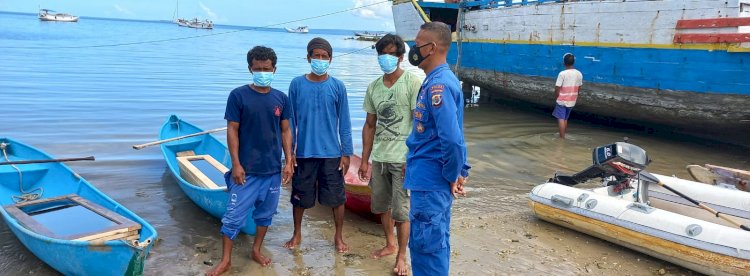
[229,12]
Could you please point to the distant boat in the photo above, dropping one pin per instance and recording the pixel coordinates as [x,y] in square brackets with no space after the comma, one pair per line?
[369,35]
[206,24]
[299,30]
[181,22]
[50,15]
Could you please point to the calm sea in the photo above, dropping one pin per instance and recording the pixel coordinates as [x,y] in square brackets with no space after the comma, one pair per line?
[67,91]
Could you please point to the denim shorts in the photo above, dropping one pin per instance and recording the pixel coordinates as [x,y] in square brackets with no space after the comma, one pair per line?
[562,112]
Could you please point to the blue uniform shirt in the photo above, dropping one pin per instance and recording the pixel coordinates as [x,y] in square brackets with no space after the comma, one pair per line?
[437,153]
[260,116]
[321,118]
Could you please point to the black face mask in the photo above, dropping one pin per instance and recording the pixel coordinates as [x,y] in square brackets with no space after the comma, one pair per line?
[415,56]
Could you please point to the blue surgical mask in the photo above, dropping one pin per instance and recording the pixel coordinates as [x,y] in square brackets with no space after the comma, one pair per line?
[262,79]
[319,66]
[388,63]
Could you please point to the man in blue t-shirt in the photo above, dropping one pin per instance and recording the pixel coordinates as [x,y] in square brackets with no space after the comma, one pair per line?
[323,137]
[257,129]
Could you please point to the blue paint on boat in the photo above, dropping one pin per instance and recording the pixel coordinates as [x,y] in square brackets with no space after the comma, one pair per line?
[212,201]
[69,257]
[650,68]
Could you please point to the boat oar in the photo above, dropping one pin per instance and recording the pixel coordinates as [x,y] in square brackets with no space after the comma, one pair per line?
[178,138]
[90,158]
[652,178]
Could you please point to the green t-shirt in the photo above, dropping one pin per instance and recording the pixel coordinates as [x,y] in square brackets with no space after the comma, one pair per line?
[393,106]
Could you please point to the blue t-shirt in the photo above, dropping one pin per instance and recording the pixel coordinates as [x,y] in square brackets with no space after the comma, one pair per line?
[321,118]
[260,116]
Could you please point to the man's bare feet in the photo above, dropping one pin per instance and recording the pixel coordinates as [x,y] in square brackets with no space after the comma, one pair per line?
[293,242]
[219,269]
[385,251]
[401,268]
[341,247]
[258,257]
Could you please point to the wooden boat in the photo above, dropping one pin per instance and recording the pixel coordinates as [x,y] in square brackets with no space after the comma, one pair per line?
[721,176]
[656,222]
[93,234]
[670,85]
[358,192]
[200,167]
[181,22]
[49,15]
[195,24]
[298,30]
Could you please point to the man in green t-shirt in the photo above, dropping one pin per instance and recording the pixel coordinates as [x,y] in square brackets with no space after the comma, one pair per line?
[389,103]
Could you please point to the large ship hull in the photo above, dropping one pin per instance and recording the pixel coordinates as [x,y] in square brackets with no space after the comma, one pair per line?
[682,64]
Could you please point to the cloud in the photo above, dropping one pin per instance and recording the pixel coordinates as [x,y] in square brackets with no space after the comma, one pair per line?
[377,11]
[121,9]
[208,11]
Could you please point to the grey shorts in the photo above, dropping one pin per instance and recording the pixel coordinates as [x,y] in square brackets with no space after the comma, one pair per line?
[387,185]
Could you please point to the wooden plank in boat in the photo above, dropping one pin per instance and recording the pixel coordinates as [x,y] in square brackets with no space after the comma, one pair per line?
[120,223]
[186,153]
[194,175]
[129,235]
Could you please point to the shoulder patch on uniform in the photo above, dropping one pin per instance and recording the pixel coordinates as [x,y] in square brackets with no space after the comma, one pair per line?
[437,100]
[437,88]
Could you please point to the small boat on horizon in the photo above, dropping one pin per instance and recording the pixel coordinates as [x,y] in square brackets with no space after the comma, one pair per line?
[64,220]
[369,35]
[298,30]
[50,15]
[196,24]
[181,22]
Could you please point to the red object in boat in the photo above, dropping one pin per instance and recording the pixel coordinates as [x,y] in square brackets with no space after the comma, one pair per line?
[357,191]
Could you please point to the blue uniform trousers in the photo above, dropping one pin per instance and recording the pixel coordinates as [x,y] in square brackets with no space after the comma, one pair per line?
[260,192]
[429,239]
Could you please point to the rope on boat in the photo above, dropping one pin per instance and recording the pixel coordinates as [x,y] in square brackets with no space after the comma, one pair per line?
[25,196]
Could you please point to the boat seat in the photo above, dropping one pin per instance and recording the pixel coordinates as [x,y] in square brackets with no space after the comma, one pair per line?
[51,217]
[32,173]
[202,171]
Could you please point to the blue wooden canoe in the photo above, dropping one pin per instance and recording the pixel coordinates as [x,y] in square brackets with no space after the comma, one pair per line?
[70,257]
[212,201]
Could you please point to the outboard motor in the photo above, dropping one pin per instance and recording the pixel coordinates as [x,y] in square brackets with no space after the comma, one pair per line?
[619,162]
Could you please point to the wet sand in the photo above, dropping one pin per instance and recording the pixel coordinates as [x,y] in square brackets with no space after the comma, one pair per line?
[493,230]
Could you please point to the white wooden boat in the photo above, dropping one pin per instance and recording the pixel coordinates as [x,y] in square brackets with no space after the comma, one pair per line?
[299,30]
[650,219]
[50,15]
[206,24]
[369,35]
[181,22]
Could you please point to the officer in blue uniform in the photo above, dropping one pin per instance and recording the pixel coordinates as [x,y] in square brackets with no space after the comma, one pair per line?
[436,166]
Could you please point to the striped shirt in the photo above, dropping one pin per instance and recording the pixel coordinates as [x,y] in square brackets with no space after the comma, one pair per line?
[570,82]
